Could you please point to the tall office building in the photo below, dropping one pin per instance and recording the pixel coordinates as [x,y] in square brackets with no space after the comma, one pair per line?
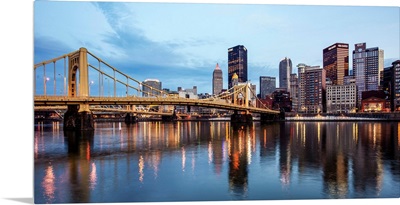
[237,63]
[267,86]
[396,87]
[367,66]
[336,62]
[312,85]
[301,87]
[294,91]
[217,82]
[285,69]
[391,84]
[151,87]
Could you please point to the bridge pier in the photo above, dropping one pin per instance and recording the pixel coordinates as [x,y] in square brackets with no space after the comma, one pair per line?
[130,118]
[172,118]
[75,119]
[272,117]
[237,118]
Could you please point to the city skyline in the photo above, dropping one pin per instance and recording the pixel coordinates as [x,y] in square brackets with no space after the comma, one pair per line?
[18,41]
[129,37]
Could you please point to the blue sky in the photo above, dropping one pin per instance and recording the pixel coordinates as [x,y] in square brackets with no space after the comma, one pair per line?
[180,43]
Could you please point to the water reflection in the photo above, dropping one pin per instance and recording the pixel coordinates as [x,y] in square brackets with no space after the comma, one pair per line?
[239,158]
[81,172]
[156,160]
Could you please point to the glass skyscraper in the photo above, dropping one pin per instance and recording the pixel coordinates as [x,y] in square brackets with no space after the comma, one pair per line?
[267,86]
[285,69]
[367,66]
[336,62]
[237,63]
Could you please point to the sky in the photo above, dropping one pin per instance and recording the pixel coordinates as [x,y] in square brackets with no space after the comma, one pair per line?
[181,43]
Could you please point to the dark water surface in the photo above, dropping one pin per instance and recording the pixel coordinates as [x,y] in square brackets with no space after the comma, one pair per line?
[212,161]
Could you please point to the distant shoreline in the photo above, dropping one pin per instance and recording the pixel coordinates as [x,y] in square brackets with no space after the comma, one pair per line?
[289,117]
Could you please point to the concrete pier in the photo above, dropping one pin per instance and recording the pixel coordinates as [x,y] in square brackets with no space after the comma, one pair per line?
[74,120]
[238,118]
[131,118]
[272,117]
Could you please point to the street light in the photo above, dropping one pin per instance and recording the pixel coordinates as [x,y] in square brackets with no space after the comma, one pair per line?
[90,84]
[45,82]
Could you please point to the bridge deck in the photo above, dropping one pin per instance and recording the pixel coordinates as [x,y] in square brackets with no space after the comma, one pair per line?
[62,100]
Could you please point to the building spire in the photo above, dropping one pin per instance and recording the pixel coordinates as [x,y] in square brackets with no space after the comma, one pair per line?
[217,67]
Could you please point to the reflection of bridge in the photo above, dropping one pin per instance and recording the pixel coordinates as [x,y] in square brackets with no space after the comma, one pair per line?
[81,95]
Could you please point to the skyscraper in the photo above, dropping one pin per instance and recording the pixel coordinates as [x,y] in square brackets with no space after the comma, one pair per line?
[267,86]
[367,66]
[391,84]
[237,63]
[285,69]
[217,82]
[294,91]
[336,62]
[312,85]
[151,87]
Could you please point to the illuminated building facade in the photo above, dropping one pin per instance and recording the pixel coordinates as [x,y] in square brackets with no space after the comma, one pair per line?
[336,62]
[237,63]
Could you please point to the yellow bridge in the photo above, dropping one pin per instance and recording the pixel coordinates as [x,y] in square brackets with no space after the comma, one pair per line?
[80,99]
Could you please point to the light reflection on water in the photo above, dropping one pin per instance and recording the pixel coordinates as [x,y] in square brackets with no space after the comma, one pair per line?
[191,161]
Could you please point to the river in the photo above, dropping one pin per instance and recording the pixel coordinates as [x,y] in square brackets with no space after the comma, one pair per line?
[214,161]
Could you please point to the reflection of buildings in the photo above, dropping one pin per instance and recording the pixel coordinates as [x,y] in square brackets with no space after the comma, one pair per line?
[238,160]
[82,175]
[367,161]
[218,145]
[268,139]
[285,153]
[335,157]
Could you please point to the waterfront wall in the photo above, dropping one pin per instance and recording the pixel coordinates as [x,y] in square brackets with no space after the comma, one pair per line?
[395,116]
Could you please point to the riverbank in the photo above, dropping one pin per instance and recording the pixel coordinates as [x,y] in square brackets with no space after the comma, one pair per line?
[288,117]
[343,117]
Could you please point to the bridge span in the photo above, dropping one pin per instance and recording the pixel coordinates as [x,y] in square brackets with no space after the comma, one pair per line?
[210,103]
[77,94]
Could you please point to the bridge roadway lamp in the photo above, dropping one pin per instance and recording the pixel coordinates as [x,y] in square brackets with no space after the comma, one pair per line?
[45,83]
[90,84]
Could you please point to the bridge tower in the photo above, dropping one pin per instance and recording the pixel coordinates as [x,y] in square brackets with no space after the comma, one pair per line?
[241,96]
[78,117]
